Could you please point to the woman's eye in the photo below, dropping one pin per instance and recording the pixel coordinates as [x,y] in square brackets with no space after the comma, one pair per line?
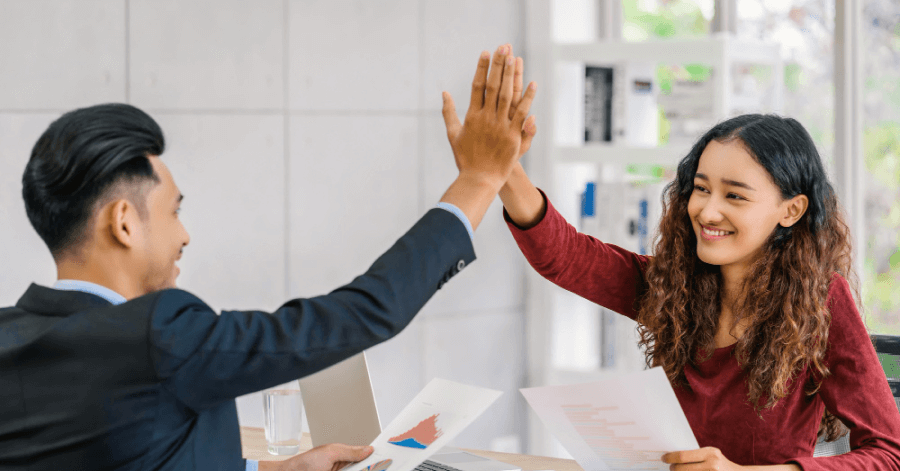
[699,188]
[735,196]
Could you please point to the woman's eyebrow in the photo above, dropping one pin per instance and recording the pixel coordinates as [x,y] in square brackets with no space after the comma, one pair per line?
[738,184]
[727,182]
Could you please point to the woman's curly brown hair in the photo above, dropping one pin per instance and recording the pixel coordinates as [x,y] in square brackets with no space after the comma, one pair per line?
[784,295]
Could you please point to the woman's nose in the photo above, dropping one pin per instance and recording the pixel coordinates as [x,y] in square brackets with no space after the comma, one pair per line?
[712,211]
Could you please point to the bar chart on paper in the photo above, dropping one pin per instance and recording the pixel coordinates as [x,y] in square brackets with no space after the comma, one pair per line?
[617,441]
[626,422]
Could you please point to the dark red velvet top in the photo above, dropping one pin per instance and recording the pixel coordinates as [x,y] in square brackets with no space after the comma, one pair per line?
[716,403]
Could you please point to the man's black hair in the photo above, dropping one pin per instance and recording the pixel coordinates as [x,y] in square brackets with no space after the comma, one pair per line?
[81,158]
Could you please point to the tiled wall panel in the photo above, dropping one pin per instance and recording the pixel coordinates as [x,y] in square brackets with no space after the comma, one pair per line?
[61,54]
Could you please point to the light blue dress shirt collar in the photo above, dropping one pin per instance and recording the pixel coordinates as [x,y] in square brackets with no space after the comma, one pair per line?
[92,288]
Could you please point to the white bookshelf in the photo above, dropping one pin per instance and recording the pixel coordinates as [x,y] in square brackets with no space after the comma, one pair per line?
[720,51]
[621,154]
[548,162]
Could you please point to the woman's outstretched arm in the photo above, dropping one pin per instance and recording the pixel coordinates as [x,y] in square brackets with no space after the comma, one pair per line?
[522,200]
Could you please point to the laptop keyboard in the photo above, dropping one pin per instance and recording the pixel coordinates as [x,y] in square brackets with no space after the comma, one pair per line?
[429,465]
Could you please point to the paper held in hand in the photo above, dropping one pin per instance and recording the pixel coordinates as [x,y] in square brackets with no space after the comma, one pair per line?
[437,414]
[626,422]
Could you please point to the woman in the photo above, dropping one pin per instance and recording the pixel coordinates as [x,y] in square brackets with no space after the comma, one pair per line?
[745,304]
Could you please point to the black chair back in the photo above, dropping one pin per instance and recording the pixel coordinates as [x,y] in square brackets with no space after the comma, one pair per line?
[888,349]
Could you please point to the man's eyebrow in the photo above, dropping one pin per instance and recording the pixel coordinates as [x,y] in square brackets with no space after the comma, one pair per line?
[727,182]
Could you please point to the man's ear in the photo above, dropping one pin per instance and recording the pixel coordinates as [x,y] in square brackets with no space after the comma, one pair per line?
[794,210]
[123,223]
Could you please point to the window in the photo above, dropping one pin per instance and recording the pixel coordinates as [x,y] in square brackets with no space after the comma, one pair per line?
[805,30]
[881,149]
[655,19]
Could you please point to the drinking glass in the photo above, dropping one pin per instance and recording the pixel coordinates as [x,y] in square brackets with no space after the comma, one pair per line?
[282,409]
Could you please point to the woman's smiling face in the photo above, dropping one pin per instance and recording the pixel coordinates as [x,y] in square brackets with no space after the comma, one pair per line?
[735,206]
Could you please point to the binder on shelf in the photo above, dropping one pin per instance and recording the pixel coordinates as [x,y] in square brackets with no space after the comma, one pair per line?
[620,104]
[598,106]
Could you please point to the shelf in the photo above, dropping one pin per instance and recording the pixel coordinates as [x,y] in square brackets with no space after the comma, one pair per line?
[712,51]
[669,154]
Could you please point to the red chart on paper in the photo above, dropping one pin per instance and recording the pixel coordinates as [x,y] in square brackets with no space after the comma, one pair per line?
[419,436]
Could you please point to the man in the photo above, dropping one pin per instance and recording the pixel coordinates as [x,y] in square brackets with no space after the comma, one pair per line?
[113,368]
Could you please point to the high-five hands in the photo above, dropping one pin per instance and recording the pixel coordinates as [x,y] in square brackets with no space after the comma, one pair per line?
[491,140]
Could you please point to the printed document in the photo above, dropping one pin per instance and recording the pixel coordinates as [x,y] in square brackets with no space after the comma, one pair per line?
[626,422]
[437,414]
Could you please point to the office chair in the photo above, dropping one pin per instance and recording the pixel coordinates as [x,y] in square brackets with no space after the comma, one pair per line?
[888,349]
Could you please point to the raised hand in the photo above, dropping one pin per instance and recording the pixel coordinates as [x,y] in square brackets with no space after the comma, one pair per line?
[489,143]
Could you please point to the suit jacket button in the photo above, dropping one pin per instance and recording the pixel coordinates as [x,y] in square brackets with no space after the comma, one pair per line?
[460,265]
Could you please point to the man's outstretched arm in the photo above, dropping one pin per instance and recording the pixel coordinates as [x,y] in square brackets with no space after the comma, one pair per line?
[204,358]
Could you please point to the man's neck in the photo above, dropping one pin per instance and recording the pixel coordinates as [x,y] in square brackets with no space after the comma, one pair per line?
[110,275]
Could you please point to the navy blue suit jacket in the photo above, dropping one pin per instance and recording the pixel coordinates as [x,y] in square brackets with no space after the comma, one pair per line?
[150,384]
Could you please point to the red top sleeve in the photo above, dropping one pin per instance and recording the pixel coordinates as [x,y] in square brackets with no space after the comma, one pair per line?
[603,273]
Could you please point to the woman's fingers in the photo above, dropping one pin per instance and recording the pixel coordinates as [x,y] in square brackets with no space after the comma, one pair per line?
[528,133]
[479,82]
[492,88]
[517,87]
[697,460]
[524,106]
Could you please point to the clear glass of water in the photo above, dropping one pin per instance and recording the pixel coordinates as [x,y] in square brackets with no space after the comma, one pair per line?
[283,409]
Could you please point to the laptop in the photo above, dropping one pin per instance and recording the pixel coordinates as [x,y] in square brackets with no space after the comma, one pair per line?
[340,408]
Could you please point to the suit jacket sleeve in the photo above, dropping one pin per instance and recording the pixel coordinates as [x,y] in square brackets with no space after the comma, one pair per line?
[204,358]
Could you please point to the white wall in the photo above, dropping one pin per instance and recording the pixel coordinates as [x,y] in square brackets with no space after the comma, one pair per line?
[306,136]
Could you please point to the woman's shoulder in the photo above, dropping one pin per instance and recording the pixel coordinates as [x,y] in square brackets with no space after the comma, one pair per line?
[847,327]
[840,297]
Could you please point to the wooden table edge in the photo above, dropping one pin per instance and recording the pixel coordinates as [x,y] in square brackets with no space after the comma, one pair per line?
[253,446]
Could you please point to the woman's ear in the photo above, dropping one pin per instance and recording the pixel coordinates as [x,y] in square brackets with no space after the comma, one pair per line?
[795,208]
[123,223]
